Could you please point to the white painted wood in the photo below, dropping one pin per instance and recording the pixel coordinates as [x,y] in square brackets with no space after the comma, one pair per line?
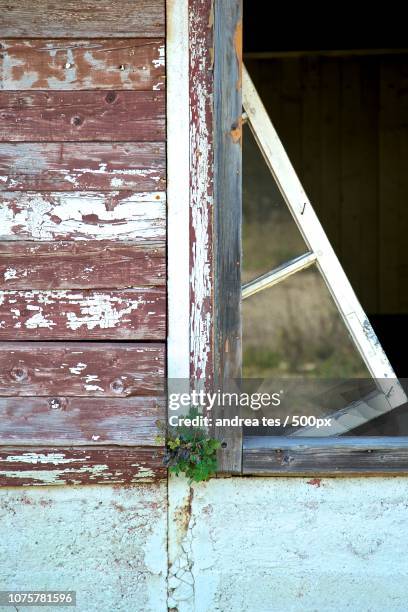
[178,189]
[278,274]
[306,219]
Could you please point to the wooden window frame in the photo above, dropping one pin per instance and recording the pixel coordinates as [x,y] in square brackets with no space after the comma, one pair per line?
[268,456]
[203,54]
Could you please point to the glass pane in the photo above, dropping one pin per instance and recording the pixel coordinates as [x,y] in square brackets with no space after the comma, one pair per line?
[294,340]
[294,329]
[270,236]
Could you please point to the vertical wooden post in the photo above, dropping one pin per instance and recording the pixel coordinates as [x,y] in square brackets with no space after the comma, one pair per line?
[227,212]
[201,56]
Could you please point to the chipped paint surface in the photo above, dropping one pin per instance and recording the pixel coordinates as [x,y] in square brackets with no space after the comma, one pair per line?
[102,18]
[10,273]
[80,465]
[75,421]
[75,166]
[91,115]
[82,64]
[201,191]
[82,216]
[160,59]
[35,458]
[34,370]
[81,314]
[81,538]
[277,544]
[82,264]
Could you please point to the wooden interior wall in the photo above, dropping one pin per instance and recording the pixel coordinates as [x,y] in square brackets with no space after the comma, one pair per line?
[344,122]
[82,230]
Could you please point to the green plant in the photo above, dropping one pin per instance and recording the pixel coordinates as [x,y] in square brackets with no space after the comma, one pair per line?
[190,450]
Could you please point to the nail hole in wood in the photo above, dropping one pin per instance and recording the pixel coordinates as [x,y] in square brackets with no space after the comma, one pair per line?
[117,386]
[110,97]
[55,403]
[19,374]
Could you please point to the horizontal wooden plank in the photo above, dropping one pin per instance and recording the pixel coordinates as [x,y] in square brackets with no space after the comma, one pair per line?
[133,314]
[82,215]
[62,421]
[44,369]
[275,455]
[84,465]
[81,265]
[81,115]
[136,64]
[90,18]
[77,166]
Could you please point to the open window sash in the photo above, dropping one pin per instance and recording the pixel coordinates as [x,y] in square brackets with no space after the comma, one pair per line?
[389,393]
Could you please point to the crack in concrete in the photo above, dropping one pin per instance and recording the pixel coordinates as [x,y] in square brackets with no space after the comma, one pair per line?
[181,583]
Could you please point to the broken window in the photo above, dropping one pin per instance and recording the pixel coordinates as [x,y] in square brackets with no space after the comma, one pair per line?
[301,317]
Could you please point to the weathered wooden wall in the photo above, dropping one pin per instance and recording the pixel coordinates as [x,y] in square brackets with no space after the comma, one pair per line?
[82,251]
[344,123]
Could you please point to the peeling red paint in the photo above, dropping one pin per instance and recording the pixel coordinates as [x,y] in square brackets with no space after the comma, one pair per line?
[82,116]
[85,465]
[75,416]
[201,186]
[83,64]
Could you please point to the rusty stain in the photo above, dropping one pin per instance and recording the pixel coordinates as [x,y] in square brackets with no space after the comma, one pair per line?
[183,516]
[236,130]
[315,482]
[238,52]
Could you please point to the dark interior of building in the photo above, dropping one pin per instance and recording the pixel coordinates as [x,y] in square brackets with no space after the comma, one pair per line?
[336,90]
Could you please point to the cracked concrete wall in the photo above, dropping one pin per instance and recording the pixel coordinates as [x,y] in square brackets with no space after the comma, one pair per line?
[289,545]
[235,545]
[107,543]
